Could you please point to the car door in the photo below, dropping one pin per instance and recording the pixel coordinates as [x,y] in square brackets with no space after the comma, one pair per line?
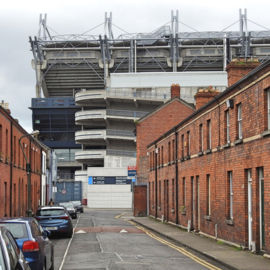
[43,241]
[16,258]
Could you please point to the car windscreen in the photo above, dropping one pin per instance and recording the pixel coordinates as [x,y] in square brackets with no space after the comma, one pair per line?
[67,205]
[50,212]
[18,230]
[75,203]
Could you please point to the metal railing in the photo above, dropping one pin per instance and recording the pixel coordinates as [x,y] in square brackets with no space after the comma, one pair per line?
[135,114]
[121,133]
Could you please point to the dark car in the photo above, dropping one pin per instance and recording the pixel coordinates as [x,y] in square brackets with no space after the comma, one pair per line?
[32,240]
[11,257]
[70,208]
[78,205]
[55,219]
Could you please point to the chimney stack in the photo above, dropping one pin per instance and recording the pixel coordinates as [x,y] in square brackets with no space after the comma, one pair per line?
[175,90]
[240,67]
[205,95]
[5,106]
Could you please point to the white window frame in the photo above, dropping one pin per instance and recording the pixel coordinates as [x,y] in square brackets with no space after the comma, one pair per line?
[209,135]
[228,126]
[231,195]
[201,130]
[239,113]
[189,143]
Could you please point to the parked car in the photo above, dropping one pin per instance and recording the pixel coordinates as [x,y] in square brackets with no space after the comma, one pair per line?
[32,240]
[11,257]
[78,205]
[70,208]
[55,219]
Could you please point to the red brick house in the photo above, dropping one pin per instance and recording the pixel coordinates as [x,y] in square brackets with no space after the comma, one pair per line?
[13,177]
[149,128]
[211,172]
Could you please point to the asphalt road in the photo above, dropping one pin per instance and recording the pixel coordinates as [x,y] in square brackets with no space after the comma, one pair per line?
[103,241]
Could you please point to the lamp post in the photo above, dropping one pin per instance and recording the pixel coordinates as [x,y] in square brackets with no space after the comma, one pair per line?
[29,210]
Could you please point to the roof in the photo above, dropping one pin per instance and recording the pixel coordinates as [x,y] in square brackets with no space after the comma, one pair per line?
[228,90]
[191,106]
[16,219]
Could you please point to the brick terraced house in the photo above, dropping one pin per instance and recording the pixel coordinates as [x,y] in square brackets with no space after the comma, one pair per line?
[211,172]
[13,176]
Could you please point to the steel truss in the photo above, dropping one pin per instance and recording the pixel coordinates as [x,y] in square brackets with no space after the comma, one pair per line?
[164,50]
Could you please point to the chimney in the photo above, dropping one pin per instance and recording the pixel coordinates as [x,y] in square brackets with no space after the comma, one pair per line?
[240,67]
[175,90]
[5,106]
[205,95]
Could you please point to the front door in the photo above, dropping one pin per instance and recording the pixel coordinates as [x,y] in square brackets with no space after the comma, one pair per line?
[198,202]
[249,209]
[262,210]
[193,202]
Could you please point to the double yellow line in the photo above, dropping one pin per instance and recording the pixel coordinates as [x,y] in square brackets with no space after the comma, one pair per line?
[182,250]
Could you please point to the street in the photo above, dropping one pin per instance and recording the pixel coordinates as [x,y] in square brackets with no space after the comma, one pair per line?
[104,241]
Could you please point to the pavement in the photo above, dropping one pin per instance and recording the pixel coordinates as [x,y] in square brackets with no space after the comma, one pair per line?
[227,255]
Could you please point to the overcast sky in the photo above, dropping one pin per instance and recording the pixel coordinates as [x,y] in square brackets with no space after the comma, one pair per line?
[20,19]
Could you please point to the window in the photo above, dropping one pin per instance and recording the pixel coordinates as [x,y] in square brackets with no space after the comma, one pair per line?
[239,119]
[209,134]
[162,155]
[14,150]
[158,157]
[268,108]
[201,137]
[183,145]
[208,190]
[169,151]
[188,143]
[230,189]
[227,120]
[173,155]
[184,191]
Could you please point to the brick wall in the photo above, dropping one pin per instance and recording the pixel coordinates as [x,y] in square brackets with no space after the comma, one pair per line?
[13,177]
[154,126]
[190,179]
[140,197]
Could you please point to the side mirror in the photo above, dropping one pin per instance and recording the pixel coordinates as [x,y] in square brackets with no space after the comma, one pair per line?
[46,233]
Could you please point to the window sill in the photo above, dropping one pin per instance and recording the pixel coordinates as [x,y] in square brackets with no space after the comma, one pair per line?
[200,153]
[265,133]
[208,151]
[172,210]
[183,213]
[153,206]
[227,145]
[159,208]
[182,159]
[187,157]
[230,221]
[207,217]
[238,141]
[172,162]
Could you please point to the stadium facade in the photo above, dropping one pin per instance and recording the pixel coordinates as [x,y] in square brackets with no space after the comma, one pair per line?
[91,90]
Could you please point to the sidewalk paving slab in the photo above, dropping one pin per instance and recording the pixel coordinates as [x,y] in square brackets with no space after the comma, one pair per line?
[226,255]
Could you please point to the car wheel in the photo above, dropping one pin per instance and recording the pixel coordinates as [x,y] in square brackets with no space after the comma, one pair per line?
[76,216]
[69,234]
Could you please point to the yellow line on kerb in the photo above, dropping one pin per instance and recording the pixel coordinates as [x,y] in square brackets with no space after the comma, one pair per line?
[181,250]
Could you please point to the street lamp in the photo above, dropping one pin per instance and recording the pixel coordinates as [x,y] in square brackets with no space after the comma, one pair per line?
[29,210]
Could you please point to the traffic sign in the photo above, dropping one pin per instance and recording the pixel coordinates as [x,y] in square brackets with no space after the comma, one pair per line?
[63,191]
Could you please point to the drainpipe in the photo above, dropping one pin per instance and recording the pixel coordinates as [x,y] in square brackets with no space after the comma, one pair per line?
[176,175]
[155,181]
[11,169]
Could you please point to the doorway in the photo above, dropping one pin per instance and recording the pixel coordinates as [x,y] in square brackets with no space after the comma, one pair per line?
[262,209]
[249,179]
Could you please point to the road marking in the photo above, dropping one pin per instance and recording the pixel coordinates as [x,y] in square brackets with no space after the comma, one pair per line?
[80,231]
[123,231]
[181,250]
[60,268]
[119,257]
